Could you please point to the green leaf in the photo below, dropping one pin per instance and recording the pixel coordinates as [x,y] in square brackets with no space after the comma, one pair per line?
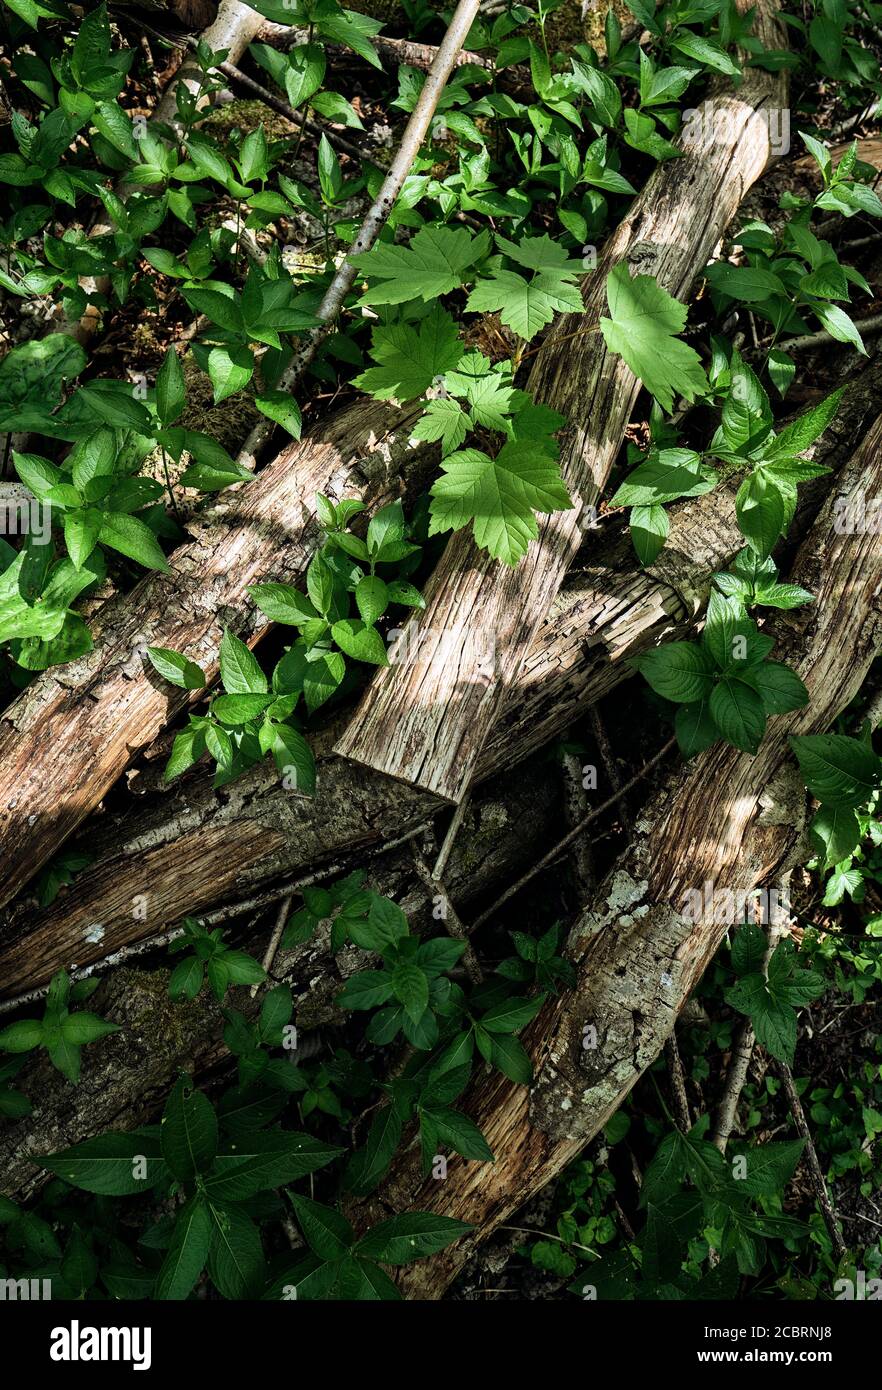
[115,1165]
[770,1167]
[230,369]
[526,306]
[410,986]
[81,1028]
[282,603]
[282,408]
[187,1253]
[239,709]
[411,356]
[177,669]
[805,429]
[838,770]
[189,1131]
[838,832]
[360,641]
[644,320]
[22,1036]
[235,1258]
[327,1233]
[780,689]
[293,757]
[133,539]
[462,1134]
[738,713]
[679,671]
[435,261]
[760,510]
[498,496]
[186,979]
[508,1055]
[649,527]
[371,597]
[411,1236]
[258,1161]
[321,678]
[239,668]
[705,51]
[511,1015]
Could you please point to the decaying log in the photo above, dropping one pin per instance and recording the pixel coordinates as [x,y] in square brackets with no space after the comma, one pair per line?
[75,729]
[127,1076]
[727,820]
[424,720]
[191,850]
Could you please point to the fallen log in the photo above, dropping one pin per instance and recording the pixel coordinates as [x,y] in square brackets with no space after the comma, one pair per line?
[727,819]
[74,730]
[424,720]
[122,1085]
[235,844]
[193,850]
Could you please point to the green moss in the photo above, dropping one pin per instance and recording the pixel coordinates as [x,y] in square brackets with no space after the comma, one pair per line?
[247,116]
[229,422]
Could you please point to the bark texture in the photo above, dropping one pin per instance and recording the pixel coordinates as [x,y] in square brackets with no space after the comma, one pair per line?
[191,849]
[75,729]
[729,819]
[424,718]
[126,1077]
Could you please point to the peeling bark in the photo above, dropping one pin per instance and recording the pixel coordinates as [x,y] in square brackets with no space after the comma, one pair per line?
[727,818]
[75,729]
[424,719]
[236,842]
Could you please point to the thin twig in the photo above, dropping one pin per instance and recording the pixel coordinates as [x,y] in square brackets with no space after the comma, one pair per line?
[866,327]
[562,845]
[815,1173]
[678,1084]
[739,1061]
[452,832]
[376,217]
[452,921]
[278,929]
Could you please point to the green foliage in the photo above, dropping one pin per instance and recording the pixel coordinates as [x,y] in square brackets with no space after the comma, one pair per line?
[60,1031]
[336,617]
[771,998]
[209,955]
[725,685]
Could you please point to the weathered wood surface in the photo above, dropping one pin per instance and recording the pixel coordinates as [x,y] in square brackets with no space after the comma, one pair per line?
[728,818]
[126,1077]
[74,730]
[424,719]
[190,850]
[194,849]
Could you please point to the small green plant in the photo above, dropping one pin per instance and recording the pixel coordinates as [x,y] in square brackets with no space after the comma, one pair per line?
[725,685]
[209,956]
[61,1032]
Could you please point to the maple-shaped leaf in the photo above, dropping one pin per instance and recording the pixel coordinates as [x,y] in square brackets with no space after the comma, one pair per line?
[539,253]
[642,328]
[445,420]
[499,496]
[486,387]
[433,263]
[526,306]
[410,356]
